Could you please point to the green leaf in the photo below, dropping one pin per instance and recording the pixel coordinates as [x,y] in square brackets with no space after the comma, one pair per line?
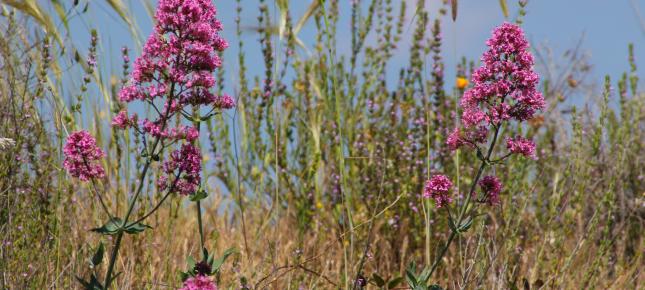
[378,280]
[435,287]
[183,276]
[410,278]
[394,282]
[199,195]
[136,228]
[86,285]
[205,254]
[97,258]
[191,263]
[217,264]
[465,225]
[425,276]
[504,6]
[113,226]
[93,284]
[112,279]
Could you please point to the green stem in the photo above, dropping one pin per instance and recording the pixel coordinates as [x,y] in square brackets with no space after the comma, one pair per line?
[119,237]
[197,123]
[464,208]
[201,228]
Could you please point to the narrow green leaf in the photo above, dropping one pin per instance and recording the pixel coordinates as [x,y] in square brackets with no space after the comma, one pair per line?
[97,258]
[136,228]
[409,276]
[199,195]
[217,264]
[191,263]
[112,227]
[86,285]
[394,282]
[465,225]
[378,280]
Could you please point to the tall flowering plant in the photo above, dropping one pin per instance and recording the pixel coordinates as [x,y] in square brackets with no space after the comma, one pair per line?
[504,90]
[173,76]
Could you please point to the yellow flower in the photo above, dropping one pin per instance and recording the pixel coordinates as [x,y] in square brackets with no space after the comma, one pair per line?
[319,205]
[462,82]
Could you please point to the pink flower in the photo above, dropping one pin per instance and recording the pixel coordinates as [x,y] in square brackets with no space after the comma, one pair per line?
[191,134]
[438,187]
[455,140]
[122,121]
[82,156]
[177,66]
[504,88]
[473,116]
[224,102]
[199,282]
[183,169]
[491,187]
[505,85]
[519,145]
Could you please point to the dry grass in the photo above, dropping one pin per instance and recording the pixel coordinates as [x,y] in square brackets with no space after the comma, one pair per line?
[572,220]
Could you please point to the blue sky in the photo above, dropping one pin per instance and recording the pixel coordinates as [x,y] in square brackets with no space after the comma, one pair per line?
[605,28]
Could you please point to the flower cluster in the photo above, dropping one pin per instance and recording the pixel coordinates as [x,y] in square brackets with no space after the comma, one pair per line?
[491,186]
[438,188]
[523,146]
[187,163]
[199,282]
[82,156]
[177,65]
[176,71]
[122,121]
[504,88]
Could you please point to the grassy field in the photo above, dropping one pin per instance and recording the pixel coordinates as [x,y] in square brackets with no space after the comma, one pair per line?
[316,178]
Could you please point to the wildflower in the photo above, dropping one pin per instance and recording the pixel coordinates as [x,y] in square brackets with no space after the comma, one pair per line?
[199,282]
[122,121]
[82,156]
[455,140]
[519,145]
[185,166]
[491,186]
[438,187]
[504,88]
[177,64]
[462,82]
[224,102]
